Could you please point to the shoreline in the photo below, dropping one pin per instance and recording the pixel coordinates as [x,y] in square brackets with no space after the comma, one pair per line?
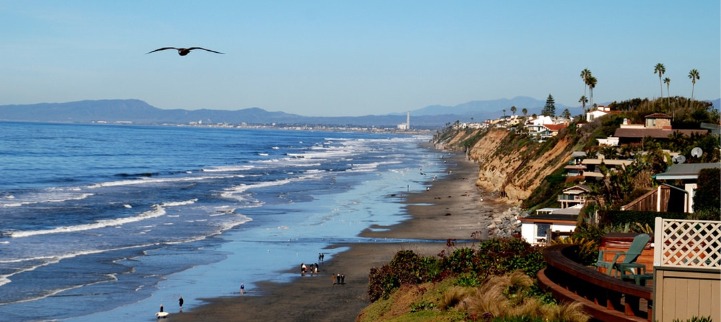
[453,208]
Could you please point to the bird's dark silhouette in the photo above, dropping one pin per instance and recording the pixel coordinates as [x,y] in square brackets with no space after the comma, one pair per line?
[184,51]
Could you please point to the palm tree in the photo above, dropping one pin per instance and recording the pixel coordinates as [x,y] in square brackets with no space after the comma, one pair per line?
[659,69]
[513,110]
[592,81]
[667,81]
[524,111]
[693,75]
[583,102]
[585,74]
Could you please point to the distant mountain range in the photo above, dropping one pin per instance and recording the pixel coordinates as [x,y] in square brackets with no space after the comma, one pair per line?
[137,111]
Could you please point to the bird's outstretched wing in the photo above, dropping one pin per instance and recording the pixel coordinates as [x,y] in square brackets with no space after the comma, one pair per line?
[159,49]
[212,51]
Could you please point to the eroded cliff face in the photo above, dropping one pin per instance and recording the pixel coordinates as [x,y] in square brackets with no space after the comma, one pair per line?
[507,170]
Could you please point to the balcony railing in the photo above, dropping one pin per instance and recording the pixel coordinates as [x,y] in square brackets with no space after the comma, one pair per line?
[575,198]
[604,297]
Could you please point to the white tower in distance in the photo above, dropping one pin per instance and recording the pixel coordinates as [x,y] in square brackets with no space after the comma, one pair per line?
[408,121]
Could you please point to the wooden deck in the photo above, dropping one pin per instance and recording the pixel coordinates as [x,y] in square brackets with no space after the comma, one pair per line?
[604,297]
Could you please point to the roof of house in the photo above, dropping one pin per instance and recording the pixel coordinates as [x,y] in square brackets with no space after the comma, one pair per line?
[658,116]
[714,128]
[607,161]
[654,133]
[577,154]
[555,127]
[556,218]
[595,112]
[685,171]
[581,187]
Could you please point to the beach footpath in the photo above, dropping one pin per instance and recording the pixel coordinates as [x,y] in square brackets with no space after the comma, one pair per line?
[452,208]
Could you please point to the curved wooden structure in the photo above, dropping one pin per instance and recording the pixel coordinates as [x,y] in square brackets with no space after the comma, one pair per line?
[604,297]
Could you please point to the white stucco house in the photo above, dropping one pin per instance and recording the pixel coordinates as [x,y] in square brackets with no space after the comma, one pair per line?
[599,112]
[535,229]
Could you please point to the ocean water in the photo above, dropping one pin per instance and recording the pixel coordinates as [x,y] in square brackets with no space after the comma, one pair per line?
[110,221]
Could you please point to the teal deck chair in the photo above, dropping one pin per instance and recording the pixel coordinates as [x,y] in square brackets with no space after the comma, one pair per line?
[639,242]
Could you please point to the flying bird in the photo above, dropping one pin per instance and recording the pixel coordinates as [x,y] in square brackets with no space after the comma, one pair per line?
[184,51]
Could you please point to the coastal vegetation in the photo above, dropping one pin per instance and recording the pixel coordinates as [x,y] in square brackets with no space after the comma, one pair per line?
[491,281]
[495,280]
[531,172]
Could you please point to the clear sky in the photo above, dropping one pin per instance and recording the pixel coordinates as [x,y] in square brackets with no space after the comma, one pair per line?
[348,58]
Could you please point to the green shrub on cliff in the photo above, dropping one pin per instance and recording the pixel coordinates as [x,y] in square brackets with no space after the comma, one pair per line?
[507,297]
[492,257]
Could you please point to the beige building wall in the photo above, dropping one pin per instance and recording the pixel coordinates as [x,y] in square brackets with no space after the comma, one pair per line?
[683,294]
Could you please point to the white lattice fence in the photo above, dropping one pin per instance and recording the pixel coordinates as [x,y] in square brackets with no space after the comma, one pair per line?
[687,243]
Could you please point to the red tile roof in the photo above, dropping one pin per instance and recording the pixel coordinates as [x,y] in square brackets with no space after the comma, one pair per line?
[659,116]
[555,127]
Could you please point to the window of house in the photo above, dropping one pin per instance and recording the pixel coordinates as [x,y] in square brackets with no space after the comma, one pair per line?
[541,230]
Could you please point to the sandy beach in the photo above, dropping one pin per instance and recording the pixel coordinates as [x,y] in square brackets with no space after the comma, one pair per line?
[453,208]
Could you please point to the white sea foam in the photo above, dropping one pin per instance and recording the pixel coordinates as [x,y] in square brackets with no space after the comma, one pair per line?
[370,167]
[46,197]
[230,168]
[156,212]
[228,225]
[49,260]
[60,290]
[179,203]
[238,192]
[143,181]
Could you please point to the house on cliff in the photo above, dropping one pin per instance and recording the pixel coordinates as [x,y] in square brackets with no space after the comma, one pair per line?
[574,196]
[575,167]
[600,111]
[594,167]
[544,127]
[668,197]
[549,222]
[657,126]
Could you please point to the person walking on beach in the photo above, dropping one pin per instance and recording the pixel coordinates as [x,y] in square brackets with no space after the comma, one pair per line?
[333,277]
[242,289]
[180,302]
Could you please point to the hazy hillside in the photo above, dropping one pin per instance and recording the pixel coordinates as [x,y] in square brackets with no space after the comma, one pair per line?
[482,110]
[137,111]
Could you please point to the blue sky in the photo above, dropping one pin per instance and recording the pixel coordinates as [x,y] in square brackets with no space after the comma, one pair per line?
[347,58]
